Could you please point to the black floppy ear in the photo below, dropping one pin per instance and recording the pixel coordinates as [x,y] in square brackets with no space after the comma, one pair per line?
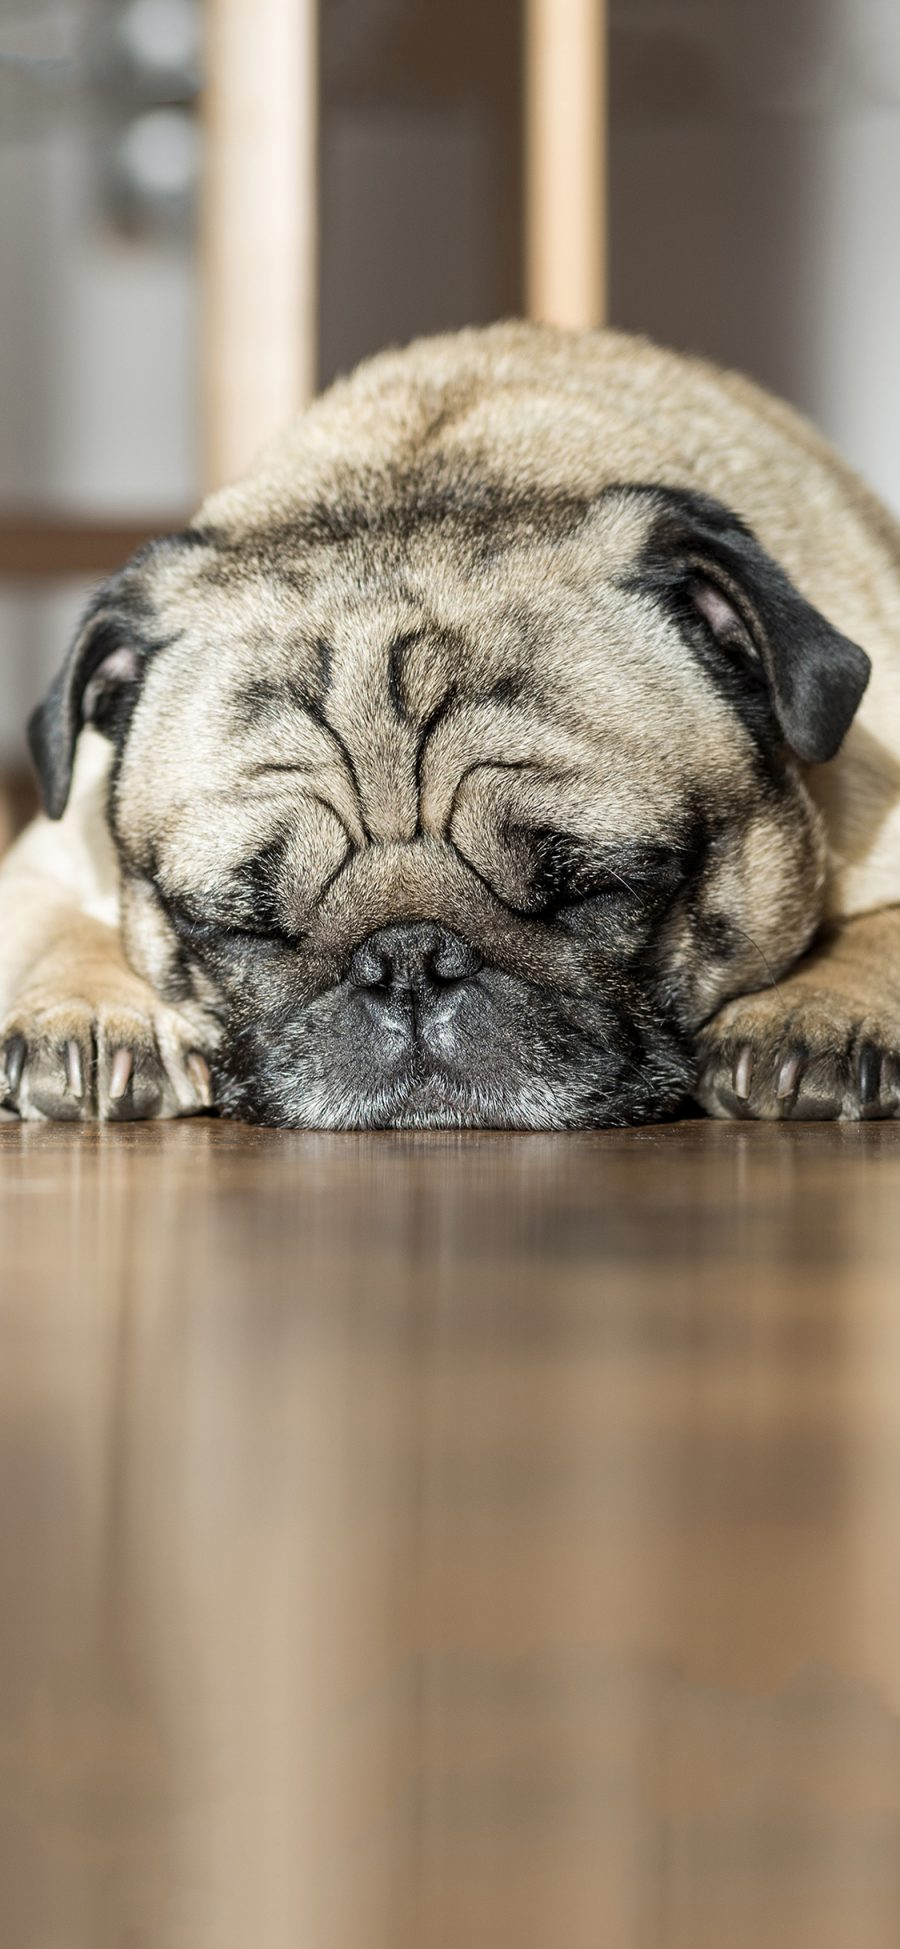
[98,684]
[816,676]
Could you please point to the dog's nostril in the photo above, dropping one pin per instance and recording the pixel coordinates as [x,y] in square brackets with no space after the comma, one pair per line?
[371,967]
[415,957]
[453,960]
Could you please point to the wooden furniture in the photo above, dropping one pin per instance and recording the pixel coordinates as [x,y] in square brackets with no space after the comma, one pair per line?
[261,204]
[260,222]
[47,548]
[565,161]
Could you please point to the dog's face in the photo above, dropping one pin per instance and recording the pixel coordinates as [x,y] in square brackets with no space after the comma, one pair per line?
[456,805]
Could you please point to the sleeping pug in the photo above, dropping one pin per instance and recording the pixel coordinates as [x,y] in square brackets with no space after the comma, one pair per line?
[500,753]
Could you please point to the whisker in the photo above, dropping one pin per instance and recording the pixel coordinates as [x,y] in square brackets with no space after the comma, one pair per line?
[622,881]
[773,979]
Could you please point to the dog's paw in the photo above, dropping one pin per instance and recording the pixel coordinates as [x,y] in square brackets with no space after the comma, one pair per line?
[809,1055]
[124,1057]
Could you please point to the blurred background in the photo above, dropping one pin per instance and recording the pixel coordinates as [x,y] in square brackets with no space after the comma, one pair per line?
[747,159]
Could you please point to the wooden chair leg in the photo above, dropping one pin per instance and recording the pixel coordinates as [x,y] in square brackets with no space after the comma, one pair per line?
[258,336]
[565,162]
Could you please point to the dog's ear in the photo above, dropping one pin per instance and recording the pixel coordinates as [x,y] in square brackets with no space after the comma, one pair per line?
[815,676]
[101,678]
[97,685]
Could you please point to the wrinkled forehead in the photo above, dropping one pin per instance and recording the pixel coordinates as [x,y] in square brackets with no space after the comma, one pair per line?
[395,675]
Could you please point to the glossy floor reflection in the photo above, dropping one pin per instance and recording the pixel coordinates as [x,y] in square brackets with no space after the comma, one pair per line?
[440,1542]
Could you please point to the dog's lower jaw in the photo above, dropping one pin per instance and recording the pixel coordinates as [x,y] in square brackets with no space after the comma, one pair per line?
[421,1098]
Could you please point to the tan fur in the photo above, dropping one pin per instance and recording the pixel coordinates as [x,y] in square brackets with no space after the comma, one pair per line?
[545,411]
[841,1001]
[66,986]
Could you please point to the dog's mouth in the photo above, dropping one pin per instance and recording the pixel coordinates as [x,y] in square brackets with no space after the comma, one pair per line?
[426,1097]
[430,1097]
[420,1093]
[422,1033]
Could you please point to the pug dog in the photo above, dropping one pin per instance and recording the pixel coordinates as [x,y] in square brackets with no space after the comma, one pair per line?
[519,746]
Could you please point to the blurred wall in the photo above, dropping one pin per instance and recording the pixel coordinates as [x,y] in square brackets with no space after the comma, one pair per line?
[421,226]
[97,328]
[755,164]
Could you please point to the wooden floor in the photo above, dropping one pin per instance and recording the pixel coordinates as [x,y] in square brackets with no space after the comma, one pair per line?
[442,1542]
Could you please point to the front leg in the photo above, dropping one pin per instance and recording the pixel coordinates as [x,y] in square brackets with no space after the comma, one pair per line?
[823,1042]
[84,1037]
[81,1034]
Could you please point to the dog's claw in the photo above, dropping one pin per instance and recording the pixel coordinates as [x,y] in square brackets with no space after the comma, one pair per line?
[198,1070]
[868,1074]
[120,1074]
[743,1073]
[74,1070]
[14,1061]
[117,1062]
[789,1075]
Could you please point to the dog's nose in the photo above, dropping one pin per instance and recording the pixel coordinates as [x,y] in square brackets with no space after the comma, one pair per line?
[415,959]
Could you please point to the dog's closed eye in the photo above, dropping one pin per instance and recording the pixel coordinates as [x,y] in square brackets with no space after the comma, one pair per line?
[207,932]
[569,870]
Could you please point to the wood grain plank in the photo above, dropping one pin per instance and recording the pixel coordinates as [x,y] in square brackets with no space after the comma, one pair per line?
[426,1540]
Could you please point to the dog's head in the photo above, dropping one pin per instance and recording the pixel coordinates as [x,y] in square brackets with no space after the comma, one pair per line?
[457,800]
